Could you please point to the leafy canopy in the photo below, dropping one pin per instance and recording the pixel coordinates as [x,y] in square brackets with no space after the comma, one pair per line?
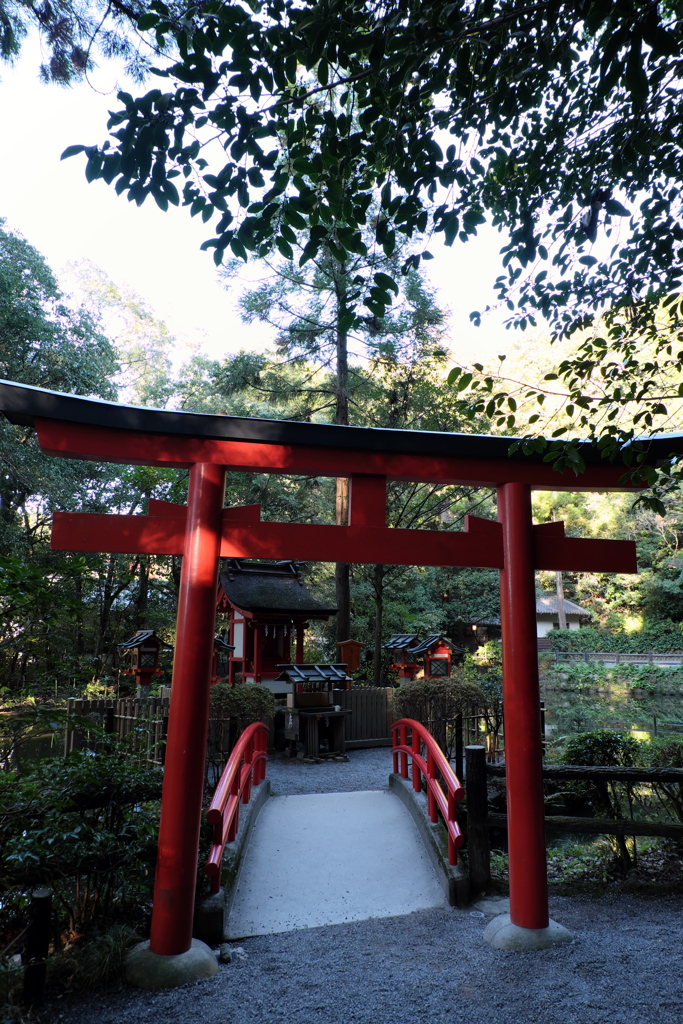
[558,122]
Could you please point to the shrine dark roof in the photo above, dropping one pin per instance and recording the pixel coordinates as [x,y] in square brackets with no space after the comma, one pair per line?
[140,638]
[313,674]
[219,644]
[276,588]
[400,641]
[431,640]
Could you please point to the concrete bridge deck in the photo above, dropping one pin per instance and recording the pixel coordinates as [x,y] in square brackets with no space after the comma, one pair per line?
[321,859]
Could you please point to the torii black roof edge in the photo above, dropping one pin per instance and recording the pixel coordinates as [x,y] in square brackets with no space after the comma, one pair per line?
[22,403]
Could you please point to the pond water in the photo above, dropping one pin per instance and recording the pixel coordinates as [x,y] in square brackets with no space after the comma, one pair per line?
[646,716]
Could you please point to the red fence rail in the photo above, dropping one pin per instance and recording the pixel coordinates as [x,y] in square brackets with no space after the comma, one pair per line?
[246,764]
[434,768]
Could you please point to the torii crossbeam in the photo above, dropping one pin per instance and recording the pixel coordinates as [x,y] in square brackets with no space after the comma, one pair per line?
[203,530]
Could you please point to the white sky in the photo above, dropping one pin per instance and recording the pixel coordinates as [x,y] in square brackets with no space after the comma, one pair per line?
[157,253]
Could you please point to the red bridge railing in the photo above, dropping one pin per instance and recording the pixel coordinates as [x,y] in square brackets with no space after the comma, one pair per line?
[435,770]
[246,764]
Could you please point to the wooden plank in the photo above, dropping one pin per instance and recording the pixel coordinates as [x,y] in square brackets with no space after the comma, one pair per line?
[587,773]
[601,826]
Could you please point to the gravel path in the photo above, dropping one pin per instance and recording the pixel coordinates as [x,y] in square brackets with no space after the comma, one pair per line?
[625,964]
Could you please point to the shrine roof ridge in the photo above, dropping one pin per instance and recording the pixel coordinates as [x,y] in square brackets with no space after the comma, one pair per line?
[23,403]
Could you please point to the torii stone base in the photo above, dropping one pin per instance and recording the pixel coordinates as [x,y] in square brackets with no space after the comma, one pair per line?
[153,971]
[501,933]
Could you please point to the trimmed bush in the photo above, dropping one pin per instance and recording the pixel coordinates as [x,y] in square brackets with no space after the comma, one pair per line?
[246,703]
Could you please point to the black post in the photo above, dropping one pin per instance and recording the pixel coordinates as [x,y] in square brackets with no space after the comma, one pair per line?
[37,944]
[478,848]
[109,720]
[543,727]
[458,746]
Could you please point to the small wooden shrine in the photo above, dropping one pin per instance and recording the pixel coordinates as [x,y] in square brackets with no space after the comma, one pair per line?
[400,644]
[431,658]
[144,649]
[349,654]
[314,725]
[269,608]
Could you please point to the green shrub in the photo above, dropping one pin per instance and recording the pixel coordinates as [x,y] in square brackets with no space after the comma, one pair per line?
[85,827]
[95,961]
[484,668]
[436,702]
[246,703]
[603,748]
[606,748]
[428,700]
[232,709]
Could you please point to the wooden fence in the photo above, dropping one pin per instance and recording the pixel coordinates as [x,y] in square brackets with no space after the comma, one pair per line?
[369,724]
[480,819]
[141,721]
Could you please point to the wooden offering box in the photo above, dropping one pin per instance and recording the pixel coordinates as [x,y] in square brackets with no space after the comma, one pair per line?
[316,699]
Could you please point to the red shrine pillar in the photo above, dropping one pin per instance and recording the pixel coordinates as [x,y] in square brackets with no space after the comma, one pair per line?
[181,799]
[521,698]
[256,663]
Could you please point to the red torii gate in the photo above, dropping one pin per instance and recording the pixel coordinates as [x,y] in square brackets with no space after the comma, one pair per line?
[204,530]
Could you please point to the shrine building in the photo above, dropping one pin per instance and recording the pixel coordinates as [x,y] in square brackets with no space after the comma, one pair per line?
[430,658]
[270,608]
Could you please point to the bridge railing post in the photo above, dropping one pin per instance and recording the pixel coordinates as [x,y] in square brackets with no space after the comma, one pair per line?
[478,846]
[417,775]
[404,756]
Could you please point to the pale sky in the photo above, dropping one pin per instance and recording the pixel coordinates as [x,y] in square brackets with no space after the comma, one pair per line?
[157,253]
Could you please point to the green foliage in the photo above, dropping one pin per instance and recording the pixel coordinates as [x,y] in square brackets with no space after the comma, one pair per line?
[594,676]
[85,828]
[94,962]
[588,862]
[144,344]
[72,31]
[245,703]
[484,668]
[436,700]
[309,104]
[603,747]
[43,341]
[663,637]
[473,593]
[606,748]
[668,754]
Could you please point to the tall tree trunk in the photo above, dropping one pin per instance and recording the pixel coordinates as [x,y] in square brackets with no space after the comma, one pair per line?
[80,637]
[378,585]
[560,600]
[143,593]
[342,578]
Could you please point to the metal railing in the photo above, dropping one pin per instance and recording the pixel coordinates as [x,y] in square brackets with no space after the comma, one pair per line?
[246,764]
[434,768]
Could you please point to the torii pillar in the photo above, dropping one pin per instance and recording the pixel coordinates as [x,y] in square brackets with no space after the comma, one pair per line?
[180,822]
[203,530]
